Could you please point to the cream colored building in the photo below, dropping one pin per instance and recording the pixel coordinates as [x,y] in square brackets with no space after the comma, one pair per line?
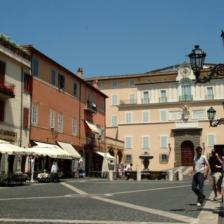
[15,99]
[164,113]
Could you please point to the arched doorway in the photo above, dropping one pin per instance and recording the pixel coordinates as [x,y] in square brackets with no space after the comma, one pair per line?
[187,153]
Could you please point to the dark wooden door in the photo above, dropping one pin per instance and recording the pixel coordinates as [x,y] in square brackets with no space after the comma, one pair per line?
[187,153]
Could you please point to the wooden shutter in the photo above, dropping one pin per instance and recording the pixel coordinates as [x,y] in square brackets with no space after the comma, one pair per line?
[28,83]
[2,110]
[25,117]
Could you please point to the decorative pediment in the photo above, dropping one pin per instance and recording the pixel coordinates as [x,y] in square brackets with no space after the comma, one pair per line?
[184,72]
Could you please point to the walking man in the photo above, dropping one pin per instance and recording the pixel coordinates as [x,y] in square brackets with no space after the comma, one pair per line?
[200,169]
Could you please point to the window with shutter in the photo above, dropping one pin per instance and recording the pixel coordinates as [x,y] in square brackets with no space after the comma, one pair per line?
[61,81]
[114,100]
[163,115]
[114,121]
[52,119]
[53,77]
[28,83]
[25,118]
[210,140]
[145,116]
[128,142]
[35,67]
[163,142]
[75,89]
[34,114]
[145,142]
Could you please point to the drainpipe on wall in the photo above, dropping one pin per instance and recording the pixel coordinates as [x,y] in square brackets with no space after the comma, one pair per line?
[80,99]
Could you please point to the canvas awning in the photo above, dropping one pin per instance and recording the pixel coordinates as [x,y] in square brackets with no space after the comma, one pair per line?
[7,147]
[106,155]
[70,150]
[53,151]
[93,127]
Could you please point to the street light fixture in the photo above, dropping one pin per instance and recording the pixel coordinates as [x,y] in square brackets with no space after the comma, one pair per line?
[197,59]
[211,112]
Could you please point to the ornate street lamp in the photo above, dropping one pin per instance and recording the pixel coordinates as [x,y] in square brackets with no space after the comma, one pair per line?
[197,59]
[211,112]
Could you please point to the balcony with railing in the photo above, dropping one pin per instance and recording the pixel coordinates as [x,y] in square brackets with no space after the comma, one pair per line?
[128,102]
[163,99]
[6,90]
[185,98]
[134,102]
[145,101]
[209,97]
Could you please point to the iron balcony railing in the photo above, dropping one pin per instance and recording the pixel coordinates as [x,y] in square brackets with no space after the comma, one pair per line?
[163,99]
[134,101]
[209,97]
[145,100]
[186,98]
[129,101]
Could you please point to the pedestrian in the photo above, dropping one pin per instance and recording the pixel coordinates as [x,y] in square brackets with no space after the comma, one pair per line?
[215,164]
[221,160]
[54,167]
[130,167]
[200,169]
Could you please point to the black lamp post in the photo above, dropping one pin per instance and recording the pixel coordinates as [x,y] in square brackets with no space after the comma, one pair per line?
[197,59]
[211,112]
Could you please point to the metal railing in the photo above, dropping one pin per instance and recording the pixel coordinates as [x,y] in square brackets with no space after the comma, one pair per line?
[186,98]
[163,99]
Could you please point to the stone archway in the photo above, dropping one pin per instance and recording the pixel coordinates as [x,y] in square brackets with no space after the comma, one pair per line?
[187,153]
[192,135]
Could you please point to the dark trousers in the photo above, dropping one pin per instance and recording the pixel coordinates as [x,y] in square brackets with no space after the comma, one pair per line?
[198,185]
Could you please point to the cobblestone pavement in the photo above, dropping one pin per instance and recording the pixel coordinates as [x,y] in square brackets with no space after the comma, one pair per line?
[100,201]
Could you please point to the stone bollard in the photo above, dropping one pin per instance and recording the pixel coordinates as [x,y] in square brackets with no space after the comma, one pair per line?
[170,174]
[180,174]
[110,175]
[139,177]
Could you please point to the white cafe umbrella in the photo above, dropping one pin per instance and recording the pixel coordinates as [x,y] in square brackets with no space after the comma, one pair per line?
[7,147]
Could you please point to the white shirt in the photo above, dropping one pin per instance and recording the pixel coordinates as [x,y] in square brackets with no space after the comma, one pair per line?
[199,164]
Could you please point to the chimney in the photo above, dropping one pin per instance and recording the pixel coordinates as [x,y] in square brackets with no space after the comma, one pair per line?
[79,72]
[95,84]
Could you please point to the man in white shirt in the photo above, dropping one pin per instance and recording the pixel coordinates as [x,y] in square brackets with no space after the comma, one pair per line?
[200,168]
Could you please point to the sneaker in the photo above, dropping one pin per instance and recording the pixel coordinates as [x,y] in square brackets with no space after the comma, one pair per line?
[199,204]
[214,199]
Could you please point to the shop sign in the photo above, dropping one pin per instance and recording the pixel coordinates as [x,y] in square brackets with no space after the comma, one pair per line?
[8,135]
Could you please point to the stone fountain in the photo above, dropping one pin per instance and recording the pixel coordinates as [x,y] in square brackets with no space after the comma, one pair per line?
[146,159]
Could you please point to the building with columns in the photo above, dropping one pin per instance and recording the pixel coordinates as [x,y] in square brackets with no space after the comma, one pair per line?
[164,113]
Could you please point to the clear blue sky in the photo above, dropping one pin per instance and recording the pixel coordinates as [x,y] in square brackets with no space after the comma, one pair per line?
[109,37]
